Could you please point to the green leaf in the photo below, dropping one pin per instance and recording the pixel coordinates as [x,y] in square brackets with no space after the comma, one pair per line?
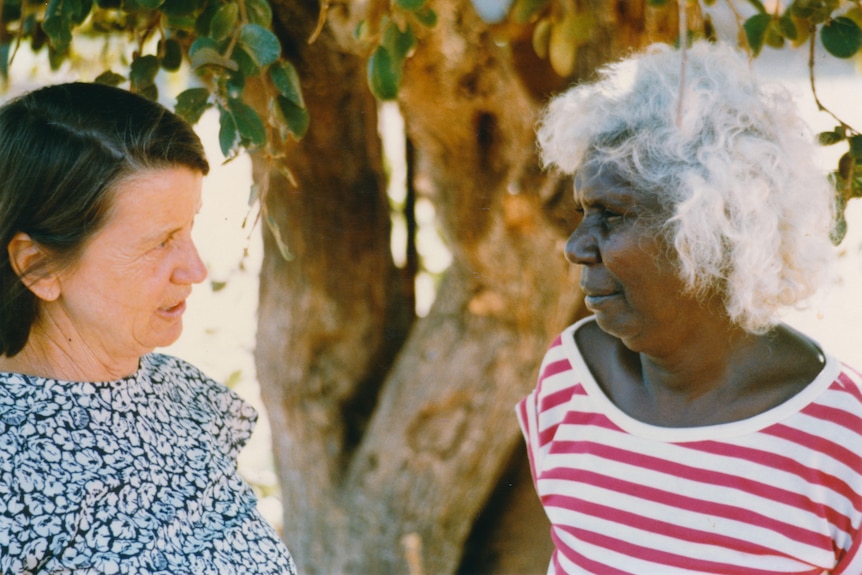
[841,37]
[192,103]
[4,59]
[410,4]
[398,43]
[77,10]
[563,45]
[774,38]
[181,23]
[142,72]
[383,76]
[209,57]
[228,136]
[541,37]
[172,55]
[38,39]
[755,31]
[248,123]
[224,22]
[856,147]
[259,12]
[839,230]
[362,30]
[109,78]
[150,92]
[177,8]
[149,4]
[657,3]
[758,5]
[204,20]
[261,44]
[817,11]
[787,26]
[234,85]
[846,166]
[524,10]
[202,42]
[279,240]
[57,57]
[426,16]
[296,119]
[247,65]
[11,12]
[59,32]
[286,80]
[829,138]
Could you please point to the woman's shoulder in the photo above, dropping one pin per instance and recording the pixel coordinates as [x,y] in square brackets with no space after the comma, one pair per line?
[180,375]
[202,398]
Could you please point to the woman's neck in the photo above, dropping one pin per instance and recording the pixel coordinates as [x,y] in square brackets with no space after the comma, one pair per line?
[729,377]
[53,353]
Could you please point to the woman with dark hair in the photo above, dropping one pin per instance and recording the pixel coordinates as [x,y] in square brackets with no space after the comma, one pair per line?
[113,459]
[683,428]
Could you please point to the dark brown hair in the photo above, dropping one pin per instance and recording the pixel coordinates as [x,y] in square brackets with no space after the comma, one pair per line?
[63,150]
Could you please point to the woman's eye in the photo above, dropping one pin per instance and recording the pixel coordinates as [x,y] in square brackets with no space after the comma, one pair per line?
[612,217]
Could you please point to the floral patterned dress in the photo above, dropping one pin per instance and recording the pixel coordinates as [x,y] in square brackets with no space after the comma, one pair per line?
[134,476]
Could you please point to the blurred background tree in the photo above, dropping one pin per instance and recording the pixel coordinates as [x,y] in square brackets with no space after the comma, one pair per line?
[394,435]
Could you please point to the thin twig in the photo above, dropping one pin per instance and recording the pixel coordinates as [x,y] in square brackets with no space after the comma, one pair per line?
[683,47]
[811,44]
[739,25]
[321,21]
[20,33]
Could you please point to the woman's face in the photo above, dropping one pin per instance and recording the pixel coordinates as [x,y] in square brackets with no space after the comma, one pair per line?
[628,278]
[126,294]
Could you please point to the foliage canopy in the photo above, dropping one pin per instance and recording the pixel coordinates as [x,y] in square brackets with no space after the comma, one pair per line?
[228,42]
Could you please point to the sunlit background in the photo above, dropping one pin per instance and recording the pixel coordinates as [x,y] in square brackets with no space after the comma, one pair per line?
[220,323]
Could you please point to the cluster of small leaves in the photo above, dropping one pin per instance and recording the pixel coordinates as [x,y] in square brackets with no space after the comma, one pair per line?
[559,29]
[847,178]
[392,35]
[225,42]
[839,26]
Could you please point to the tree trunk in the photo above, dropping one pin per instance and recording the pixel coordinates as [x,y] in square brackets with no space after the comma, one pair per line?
[392,435]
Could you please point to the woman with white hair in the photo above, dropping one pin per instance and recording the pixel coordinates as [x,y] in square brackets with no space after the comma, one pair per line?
[683,428]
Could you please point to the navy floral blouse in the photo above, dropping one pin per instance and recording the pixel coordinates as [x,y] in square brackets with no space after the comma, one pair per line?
[136,476]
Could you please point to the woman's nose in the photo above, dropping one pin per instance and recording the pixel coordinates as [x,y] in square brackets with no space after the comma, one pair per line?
[581,247]
[192,269]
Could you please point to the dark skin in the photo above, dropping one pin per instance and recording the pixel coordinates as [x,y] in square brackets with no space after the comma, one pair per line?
[662,355]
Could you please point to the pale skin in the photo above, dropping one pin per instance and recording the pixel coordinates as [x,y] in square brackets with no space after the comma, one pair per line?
[660,354]
[126,294]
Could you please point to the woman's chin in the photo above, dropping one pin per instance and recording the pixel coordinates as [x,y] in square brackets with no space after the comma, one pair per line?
[617,325]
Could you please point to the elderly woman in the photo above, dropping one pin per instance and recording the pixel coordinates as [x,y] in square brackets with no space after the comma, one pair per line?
[113,459]
[683,428]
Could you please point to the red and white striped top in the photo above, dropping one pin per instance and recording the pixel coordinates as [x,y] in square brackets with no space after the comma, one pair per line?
[780,492]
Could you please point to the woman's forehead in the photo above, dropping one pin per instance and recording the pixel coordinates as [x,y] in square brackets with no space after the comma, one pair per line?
[605,185]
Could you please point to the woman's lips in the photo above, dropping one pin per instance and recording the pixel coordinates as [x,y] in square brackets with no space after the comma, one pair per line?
[175,310]
[594,301]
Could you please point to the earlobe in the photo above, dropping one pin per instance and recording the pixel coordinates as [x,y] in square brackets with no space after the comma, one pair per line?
[28,260]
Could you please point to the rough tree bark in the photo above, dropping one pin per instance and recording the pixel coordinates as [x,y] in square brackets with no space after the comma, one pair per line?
[395,439]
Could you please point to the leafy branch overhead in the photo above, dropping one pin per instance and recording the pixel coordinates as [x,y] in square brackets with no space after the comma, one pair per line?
[225,43]
[560,27]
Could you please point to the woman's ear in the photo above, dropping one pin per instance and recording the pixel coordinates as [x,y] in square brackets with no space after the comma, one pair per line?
[29,261]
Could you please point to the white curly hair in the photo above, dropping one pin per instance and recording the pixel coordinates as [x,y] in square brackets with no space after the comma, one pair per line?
[749,211]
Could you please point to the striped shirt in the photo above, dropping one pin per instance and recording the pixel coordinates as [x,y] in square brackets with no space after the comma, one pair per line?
[780,492]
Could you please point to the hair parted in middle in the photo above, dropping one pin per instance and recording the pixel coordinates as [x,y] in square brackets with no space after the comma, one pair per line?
[749,212]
